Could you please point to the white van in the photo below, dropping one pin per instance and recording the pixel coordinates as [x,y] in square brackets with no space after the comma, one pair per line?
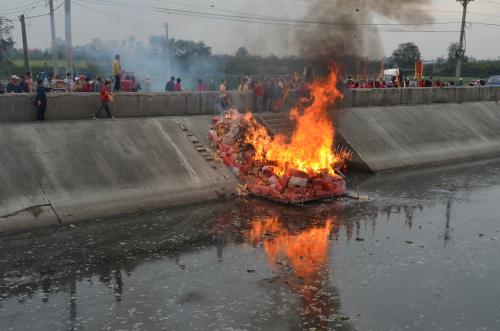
[388,76]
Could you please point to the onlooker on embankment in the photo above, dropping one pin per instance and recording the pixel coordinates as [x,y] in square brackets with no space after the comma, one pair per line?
[40,102]
[259,97]
[169,87]
[136,86]
[13,86]
[201,87]
[223,97]
[87,86]
[178,86]
[276,94]
[117,73]
[106,97]
[25,83]
[77,86]
[98,85]
[68,82]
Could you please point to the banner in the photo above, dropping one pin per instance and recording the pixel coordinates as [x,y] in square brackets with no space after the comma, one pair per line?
[419,70]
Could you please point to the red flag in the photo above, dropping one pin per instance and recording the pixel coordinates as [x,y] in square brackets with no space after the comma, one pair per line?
[419,70]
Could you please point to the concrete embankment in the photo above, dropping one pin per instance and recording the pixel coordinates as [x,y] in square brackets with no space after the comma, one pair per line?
[402,137]
[67,171]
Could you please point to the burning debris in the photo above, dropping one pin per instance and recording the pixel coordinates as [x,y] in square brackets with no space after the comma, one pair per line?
[295,171]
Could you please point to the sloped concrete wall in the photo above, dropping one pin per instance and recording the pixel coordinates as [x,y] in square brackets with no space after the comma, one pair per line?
[67,171]
[402,137]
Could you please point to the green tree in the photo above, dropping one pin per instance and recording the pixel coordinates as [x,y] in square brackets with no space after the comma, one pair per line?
[452,54]
[185,49]
[6,43]
[242,52]
[406,55]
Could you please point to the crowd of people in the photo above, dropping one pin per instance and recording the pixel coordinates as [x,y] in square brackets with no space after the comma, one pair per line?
[81,83]
[271,92]
[407,82]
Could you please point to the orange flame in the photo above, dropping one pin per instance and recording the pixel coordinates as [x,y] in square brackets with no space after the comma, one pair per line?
[311,146]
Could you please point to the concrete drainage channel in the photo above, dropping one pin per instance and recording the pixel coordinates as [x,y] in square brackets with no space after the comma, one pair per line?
[63,172]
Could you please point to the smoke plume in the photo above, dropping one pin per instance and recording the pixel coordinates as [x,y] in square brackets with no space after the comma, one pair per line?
[352,33]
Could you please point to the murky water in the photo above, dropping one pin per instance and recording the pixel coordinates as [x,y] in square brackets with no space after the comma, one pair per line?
[422,254]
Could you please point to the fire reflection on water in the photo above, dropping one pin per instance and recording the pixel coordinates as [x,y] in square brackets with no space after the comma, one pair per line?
[306,251]
[300,258]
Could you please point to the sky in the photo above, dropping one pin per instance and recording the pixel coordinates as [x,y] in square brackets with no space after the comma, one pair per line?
[108,20]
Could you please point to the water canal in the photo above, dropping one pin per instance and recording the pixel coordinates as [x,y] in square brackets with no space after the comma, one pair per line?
[421,254]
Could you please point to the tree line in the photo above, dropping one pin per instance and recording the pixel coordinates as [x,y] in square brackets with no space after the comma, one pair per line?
[197,58]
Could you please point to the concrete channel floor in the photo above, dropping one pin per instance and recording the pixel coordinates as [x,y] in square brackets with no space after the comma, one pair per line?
[420,254]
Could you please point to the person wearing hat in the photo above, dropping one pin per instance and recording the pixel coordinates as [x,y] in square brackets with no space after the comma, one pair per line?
[77,87]
[13,86]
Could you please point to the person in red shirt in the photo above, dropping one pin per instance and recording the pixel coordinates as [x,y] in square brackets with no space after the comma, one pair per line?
[126,85]
[201,87]
[87,87]
[106,97]
[178,86]
[259,97]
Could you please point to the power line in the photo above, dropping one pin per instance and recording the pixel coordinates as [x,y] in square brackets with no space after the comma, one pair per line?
[16,10]
[76,2]
[489,3]
[46,14]
[175,11]
[34,4]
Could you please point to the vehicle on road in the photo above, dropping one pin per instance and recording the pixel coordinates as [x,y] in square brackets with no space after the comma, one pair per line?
[395,77]
[493,81]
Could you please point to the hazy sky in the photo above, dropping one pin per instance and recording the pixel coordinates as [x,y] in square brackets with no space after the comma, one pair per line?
[105,19]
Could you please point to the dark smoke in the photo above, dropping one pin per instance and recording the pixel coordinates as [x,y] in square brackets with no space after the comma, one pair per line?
[349,38]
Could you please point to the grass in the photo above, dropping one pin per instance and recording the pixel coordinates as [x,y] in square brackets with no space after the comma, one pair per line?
[42,63]
[466,80]
[38,66]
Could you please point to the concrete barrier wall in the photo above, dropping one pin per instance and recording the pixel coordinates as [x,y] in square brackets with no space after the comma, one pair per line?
[416,96]
[72,106]
[63,172]
[403,137]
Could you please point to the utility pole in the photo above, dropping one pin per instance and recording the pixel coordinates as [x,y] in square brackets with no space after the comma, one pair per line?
[53,32]
[167,53]
[461,51]
[69,44]
[25,44]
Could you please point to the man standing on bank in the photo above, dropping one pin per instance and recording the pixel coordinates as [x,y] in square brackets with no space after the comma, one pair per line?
[106,97]
[41,101]
[117,72]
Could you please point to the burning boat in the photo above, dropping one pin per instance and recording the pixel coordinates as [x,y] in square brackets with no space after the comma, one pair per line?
[295,170]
